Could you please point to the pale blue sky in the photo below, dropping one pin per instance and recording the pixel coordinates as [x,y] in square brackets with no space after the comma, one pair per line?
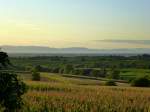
[72,23]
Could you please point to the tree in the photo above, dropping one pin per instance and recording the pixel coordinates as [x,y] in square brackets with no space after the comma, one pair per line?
[76,72]
[141,82]
[103,72]
[38,68]
[4,59]
[68,69]
[36,76]
[95,73]
[114,74]
[11,90]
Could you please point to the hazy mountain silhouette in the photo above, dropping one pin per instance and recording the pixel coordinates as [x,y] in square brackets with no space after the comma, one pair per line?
[40,49]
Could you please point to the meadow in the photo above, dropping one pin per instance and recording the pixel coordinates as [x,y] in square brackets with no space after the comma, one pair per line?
[56,93]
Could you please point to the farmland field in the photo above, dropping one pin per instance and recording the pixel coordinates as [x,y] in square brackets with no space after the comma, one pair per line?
[75,56]
[132,73]
[81,84]
[56,93]
[129,67]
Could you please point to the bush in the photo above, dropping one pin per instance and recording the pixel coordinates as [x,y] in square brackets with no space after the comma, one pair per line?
[141,82]
[11,90]
[36,76]
[110,83]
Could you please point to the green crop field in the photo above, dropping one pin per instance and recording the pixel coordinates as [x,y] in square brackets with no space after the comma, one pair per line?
[57,93]
[127,74]
[129,67]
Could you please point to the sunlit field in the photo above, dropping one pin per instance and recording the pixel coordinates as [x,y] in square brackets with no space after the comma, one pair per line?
[74,55]
[55,93]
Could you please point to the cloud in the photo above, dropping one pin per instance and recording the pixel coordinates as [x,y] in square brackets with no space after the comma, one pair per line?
[141,42]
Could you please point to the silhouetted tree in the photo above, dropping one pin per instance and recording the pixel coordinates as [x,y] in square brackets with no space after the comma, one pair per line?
[4,59]
[11,88]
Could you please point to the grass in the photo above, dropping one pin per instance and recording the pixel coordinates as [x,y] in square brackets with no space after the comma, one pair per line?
[55,93]
[127,74]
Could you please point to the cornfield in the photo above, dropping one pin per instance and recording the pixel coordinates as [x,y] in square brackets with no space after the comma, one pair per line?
[67,97]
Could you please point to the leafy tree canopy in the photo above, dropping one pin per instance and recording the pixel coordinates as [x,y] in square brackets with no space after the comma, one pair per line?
[4,59]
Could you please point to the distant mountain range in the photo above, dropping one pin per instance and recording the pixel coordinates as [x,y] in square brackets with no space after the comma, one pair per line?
[74,50]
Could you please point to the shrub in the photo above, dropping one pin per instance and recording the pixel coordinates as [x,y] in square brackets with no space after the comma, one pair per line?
[11,90]
[36,76]
[141,82]
[110,83]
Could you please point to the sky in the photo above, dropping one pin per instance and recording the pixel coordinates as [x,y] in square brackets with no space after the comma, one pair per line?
[75,23]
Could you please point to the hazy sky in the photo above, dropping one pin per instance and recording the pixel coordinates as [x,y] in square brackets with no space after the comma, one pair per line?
[75,23]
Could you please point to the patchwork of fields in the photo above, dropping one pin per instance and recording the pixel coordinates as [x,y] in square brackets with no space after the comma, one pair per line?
[129,67]
[55,93]
[77,84]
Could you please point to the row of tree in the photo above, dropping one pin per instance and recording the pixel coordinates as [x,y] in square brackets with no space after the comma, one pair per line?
[69,69]
[119,62]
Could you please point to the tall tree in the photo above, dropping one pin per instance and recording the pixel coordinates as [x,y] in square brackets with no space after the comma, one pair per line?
[11,88]
[4,59]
